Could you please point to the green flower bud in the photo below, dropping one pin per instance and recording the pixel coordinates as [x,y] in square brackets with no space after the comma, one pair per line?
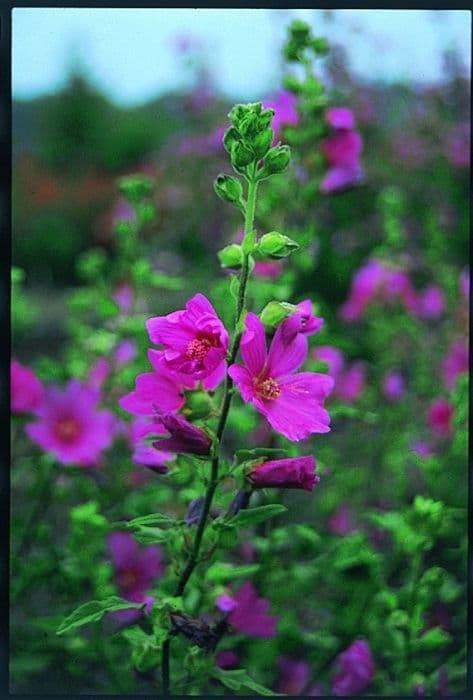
[262,142]
[229,189]
[237,113]
[231,256]
[265,119]
[275,312]
[135,187]
[275,246]
[230,137]
[291,83]
[291,50]
[248,126]
[241,156]
[320,46]
[276,161]
[198,404]
[299,30]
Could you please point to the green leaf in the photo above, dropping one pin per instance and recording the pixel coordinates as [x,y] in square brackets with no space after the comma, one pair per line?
[150,535]
[274,452]
[252,516]
[433,639]
[152,518]
[238,679]
[93,611]
[220,573]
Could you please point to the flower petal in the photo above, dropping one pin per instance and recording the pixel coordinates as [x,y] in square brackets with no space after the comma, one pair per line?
[253,344]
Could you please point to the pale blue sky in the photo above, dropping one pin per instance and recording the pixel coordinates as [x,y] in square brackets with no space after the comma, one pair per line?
[130,54]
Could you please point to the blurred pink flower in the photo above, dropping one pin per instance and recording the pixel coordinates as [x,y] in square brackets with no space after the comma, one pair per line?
[98,373]
[341,521]
[394,385]
[125,352]
[342,150]
[70,426]
[123,295]
[439,417]
[355,669]
[135,571]
[247,613]
[284,104]
[455,363]
[430,302]
[340,118]
[195,341]
[294,676]
[351,383]
[26,390]
[292,403]
[422,449]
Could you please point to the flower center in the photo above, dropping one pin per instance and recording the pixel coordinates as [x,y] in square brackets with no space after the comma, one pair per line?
[268,389]
[67,429]
[198,349]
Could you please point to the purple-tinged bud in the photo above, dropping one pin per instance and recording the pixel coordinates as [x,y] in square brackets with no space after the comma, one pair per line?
[185,437]
[355,669]
[194,511]
[291,473]
[241,501]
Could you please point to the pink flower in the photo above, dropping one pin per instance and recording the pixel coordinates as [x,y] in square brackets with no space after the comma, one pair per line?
[355,669]
[123,295]
[365,284]
[268,269]
[284,104]
[439,417]
[70,426]
[340,118]
[98,373]
[143,453]
[300,324]
[341,521]
[185,438]
[291,473]
[333,357]
[351,382]
[135,571]
[26,391]
[158,391]
[430,302]
[292,403]
[455,363]
[125,352]
[248,613]
[342,151]
[422,449]
[394,386]
[195,341]
[294,675]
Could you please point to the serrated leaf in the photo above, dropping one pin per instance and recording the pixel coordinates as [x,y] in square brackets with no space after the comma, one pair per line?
[93,611]
[253,516]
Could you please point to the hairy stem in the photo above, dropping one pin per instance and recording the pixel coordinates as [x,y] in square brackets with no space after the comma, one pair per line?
[227,399]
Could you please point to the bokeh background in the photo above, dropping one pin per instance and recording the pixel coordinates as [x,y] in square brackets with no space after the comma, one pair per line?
[102,94]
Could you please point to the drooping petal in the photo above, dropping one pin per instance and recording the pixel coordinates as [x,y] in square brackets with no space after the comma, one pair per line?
[253,344]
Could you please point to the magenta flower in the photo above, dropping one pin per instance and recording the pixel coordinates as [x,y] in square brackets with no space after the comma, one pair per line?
[135,571]
[355,669]
[98,373]
[300,324]
[291,403]
[143,453]
[430,302]
[285,112]
[394,386]
[294,676]
[123,295]
[364,286]
[227,659]
[455,363]
[195,341]
[125,352]
[333,357]
[158,391]
[341,521]
[26,391]
[351,383]
[71,427]
[340,118]
[185,438]
[422,449]
[439,417]
[247,613]
[342,151]
[291,473]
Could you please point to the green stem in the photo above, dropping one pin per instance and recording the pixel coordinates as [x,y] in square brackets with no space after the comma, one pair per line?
[227,399]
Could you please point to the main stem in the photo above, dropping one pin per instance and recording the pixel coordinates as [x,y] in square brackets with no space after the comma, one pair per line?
[227,399]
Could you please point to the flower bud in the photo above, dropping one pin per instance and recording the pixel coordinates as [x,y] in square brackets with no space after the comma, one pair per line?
[320,45]
[275,245]
[241,155]
[291,473]
[262,142]
[276,160]
[135,187]
[230,137]
[229,189]
[198,404]
[275,312]
[231,256]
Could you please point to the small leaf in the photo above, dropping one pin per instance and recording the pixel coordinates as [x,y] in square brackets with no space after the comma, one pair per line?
[93,611]
[152,518]
[252,516]
[273,452]
[220,573]
[238,679]
[150,535]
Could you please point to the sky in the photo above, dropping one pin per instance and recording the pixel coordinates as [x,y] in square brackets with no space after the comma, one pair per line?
[131,53]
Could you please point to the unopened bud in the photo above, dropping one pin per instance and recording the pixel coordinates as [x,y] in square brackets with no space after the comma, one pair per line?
[276,311]
[262,142]
[275,245]
[229,189]
[276,160]
[231,256]
[241,155]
